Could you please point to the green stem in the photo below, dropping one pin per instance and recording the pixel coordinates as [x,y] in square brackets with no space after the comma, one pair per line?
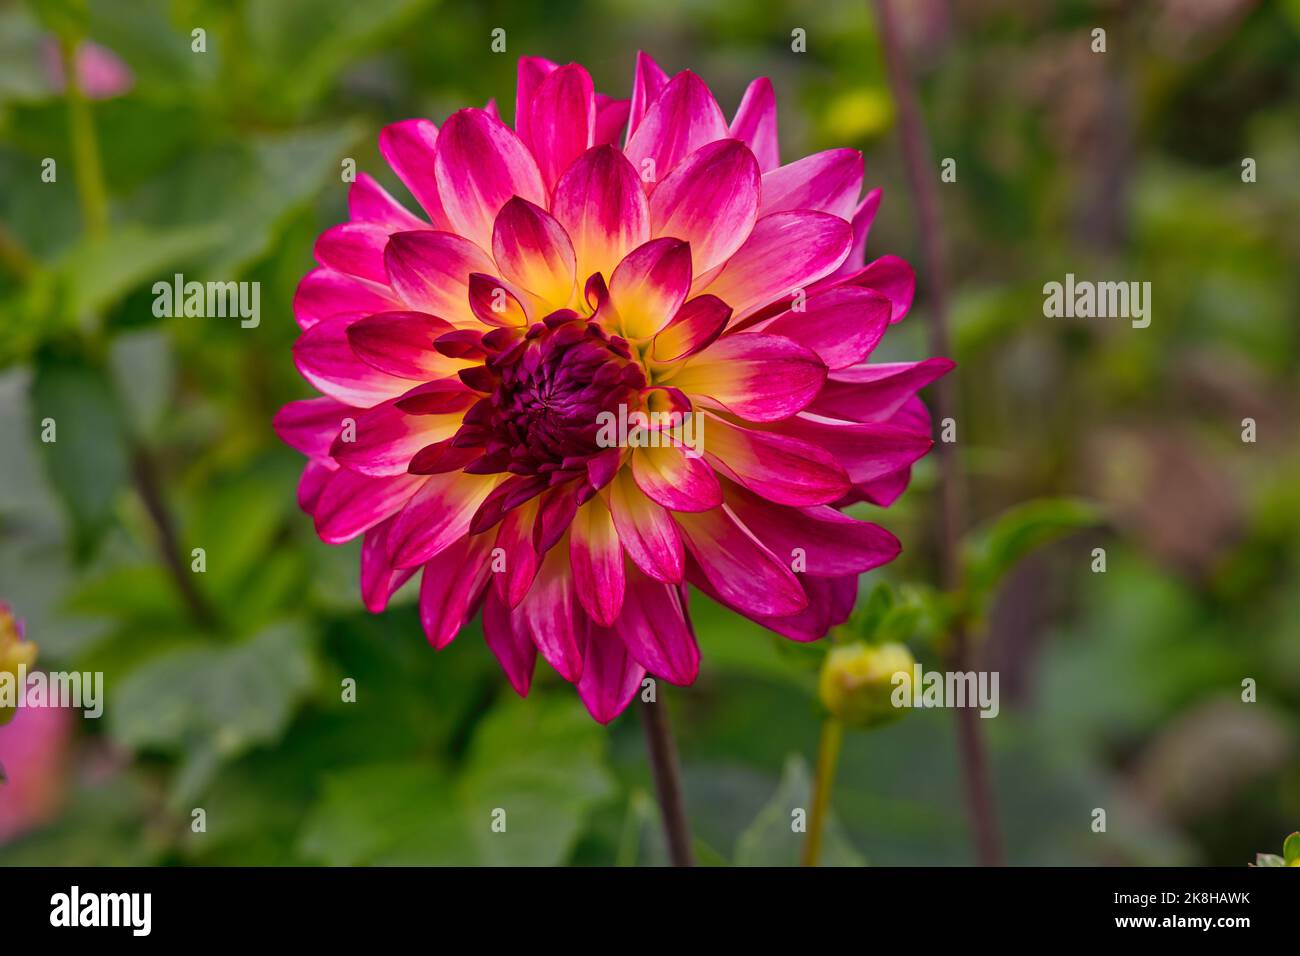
[828,758]
[85,146]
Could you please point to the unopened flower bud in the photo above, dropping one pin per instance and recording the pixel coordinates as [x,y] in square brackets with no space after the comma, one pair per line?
[858,682]
[15,654]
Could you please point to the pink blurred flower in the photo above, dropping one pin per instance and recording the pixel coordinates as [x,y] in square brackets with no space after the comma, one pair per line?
[465,360]
[101,75]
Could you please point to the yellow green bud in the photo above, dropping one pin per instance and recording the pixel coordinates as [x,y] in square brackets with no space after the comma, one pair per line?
[858,682]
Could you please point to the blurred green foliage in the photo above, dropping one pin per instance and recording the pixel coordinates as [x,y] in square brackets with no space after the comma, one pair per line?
[1120,689]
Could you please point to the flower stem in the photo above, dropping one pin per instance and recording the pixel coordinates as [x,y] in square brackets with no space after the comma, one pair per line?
[662,752]
[828,759]
[920,175]
[85,146]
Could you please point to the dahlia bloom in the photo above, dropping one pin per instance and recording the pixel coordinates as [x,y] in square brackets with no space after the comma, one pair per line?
[466,358]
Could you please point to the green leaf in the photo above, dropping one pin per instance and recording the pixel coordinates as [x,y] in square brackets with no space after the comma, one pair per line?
[992,551]
[771,839]
[88,462]
[214,702]
[535,766]
[1291,850]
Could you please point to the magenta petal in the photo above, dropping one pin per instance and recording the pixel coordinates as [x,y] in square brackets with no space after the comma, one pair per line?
[508,640]
[311,425]
[401,343]
[780,468]
[379,580]
[533,251]
[531,72]
[431,270]
[863,217]
[611,676]
[611,119]
[683,118]
[316,474]
[369,202]
[325,358]
[356,248]
[323,293]
[515,539]
[562,124]
[873,393]
[648,81]
[893,278]
[646,530]
[755,123]
[842,325]
[385,439]
[830,602]
[710,200]
[697,324]
[436,516]
[736,565]
[597,560]
[480,164]
[831,543]
[409,147]
[867,451]
[350,503]
[452,581]
[823,182]
[551,619]
[650,285]
[656,629]
[787,251]
[757,376]
[600,204]
[675,479]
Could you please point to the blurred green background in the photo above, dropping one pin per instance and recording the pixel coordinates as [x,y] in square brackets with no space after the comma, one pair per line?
[1120,690]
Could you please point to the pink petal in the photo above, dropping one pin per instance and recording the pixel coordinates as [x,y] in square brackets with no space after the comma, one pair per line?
[780,468]
[597,562]
[532,72]
[311,425]
[867,451]
[370,202]
[786,251]
[562,123]
[710,200]
[891,277]
[480,164]
[453,580]
[507,639]
[350,503]
[325,359]
[831,543]
[647,83]
[737,566]
[533,251]
[611,119]
[550,618]
[316,474]
[379,580]
[515,539]
[674,479]
[650,285]
[401,343]
[611,676]
[842,325]
[755,123]
[863,217]
[759,377]
[830,602]
[656,630]
[409,147]
[431,270]
[436,516]
[823,182]
[873,393]
[683,118]
[386,438]
[356,248]
[600,204]
[697,324]
[494,302]
[646,530]
[323,293]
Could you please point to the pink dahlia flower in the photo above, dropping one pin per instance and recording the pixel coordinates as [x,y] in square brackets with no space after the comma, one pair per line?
[468,361]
